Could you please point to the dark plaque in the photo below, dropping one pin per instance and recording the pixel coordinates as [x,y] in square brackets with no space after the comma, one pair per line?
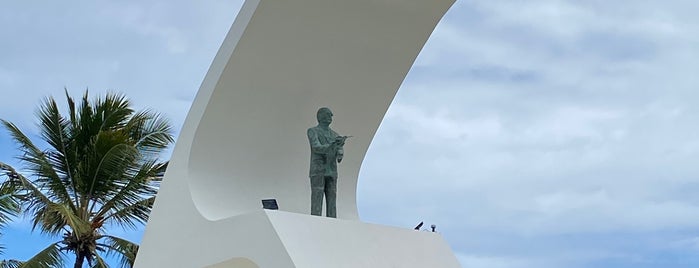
[270,204]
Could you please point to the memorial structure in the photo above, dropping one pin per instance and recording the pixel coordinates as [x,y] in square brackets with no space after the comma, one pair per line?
[245,139]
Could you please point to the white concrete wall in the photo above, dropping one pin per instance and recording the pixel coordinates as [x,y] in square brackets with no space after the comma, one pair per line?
[293,58]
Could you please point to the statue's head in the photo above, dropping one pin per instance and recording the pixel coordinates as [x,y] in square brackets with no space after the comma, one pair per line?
[324,116]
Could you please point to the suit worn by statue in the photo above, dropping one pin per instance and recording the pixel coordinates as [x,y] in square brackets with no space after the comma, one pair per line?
[326,152]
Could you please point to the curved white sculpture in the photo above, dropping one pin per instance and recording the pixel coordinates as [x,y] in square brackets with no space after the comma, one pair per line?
[244,138]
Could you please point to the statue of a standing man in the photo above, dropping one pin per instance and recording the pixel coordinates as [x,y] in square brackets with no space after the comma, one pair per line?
[326,152]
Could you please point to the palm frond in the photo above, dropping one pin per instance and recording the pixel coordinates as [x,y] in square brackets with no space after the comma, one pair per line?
[54,217]
[71,109]
[10,264]
[9,207]
[128,216]
[99,262]
[50,257]
[123,249]
[151,132]
[37,162]
[143,184]
[113,111]
[113,167]
[51,217]
[55,130]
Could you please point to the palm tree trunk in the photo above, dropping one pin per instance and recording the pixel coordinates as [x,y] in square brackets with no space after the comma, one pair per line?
[79,259]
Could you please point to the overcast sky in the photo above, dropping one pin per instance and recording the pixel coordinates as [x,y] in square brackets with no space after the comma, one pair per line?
[540,133]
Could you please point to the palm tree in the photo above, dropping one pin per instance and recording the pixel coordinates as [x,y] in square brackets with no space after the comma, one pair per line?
[101,168]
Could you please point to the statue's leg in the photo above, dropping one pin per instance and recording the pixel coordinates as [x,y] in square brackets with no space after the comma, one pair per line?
[317,186]
[330,196]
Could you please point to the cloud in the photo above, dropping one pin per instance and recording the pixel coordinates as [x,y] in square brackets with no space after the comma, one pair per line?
[474,261]
[148,20]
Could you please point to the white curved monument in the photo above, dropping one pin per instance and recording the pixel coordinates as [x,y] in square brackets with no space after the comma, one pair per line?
[244,140]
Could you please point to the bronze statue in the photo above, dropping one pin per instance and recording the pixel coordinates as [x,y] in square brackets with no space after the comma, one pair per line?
[326,152]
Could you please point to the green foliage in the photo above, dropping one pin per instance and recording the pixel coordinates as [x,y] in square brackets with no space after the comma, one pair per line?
[9,207]
[10,264]
[51,256]
[101,168]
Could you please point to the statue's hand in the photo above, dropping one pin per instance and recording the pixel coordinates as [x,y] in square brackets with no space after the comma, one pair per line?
[340,140]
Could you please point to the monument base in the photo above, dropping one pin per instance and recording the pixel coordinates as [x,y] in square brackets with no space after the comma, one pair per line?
[307,241]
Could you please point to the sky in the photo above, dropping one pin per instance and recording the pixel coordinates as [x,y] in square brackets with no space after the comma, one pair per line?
[540,133]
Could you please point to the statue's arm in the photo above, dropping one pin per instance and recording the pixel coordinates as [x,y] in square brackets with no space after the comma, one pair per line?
[339,144]
[340,154]
[316,146]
